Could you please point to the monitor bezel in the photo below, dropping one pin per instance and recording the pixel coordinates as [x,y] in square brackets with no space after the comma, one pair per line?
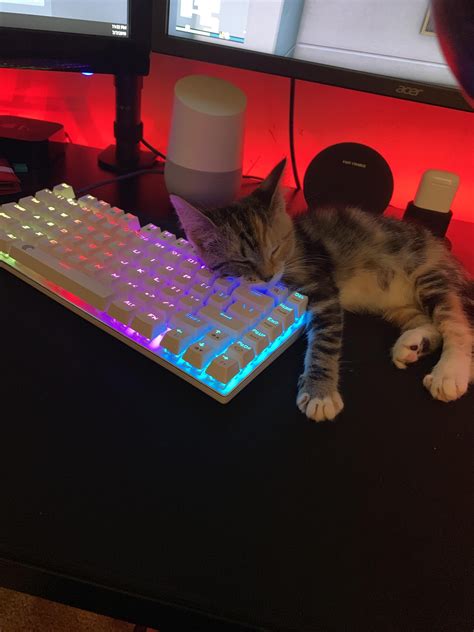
[420,92]
[19,48]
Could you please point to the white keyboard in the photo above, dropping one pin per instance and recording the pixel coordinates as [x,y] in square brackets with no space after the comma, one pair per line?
[148,288]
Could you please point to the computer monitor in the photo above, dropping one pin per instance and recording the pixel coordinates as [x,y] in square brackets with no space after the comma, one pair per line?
[386,47]
[104,36]
[89,36]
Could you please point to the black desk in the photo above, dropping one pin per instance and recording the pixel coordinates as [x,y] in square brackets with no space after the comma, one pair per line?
[126,491]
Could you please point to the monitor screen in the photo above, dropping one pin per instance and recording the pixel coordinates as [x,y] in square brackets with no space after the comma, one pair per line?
[387,38]
[88,17]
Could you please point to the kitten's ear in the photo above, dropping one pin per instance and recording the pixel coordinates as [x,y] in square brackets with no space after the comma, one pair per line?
[192,219]
[269,190]
[194,222]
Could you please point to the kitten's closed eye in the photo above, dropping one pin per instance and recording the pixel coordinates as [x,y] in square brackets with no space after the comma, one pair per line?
[218,266]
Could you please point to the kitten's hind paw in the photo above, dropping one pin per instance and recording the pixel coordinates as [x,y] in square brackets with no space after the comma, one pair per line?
[448,380]
[414,343]
[320,408]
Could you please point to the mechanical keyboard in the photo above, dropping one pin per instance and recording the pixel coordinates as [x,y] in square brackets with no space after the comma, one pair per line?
[149,289]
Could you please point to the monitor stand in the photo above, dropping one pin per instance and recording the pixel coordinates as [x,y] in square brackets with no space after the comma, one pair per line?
[126,155]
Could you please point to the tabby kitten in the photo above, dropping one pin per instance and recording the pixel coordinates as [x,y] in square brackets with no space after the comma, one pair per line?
[345,259]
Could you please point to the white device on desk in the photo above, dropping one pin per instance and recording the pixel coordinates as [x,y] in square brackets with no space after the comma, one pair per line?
[205,148]
[432,204]
[149,289]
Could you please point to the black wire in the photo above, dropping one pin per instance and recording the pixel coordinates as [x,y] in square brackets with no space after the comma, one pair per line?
[291,133]
[102,183]
[152,149]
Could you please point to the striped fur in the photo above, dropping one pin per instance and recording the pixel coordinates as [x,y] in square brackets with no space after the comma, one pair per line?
[345,259]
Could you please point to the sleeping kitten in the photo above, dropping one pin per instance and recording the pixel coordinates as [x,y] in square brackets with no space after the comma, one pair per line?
[345,259]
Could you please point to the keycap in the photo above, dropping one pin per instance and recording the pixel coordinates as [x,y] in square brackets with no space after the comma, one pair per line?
[46,196]
[30,203]
[279,292]
[90,290]
[150,230]
[130,221]
[205,276]
[298,302]
[257,299]
[183,280]
[184,246]
[151,263]
[147,297]
[127,289]
[219,338]
[190,304]
[200,353]
[148,324]
[173,258]
[191,266]
[166,273]
[87,202]
[65,190]
[190,322]
[157,250]
[6,241]
[284,314]
[154,284]
[137,274]
[221,300]
[257,339]
[201,291]
[167,238]
[222,320]
[123,310]
[169,309]
[223,368]
[103,207]
[116,212]
[177,340]
[7,220]
[171,293]
[246,313]
[272,327]
[101,238]
[242,352]
[225,284]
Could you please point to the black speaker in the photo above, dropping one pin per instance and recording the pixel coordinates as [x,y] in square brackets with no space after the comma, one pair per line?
[349,174]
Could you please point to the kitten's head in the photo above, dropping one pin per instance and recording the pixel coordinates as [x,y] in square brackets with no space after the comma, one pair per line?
[251,238]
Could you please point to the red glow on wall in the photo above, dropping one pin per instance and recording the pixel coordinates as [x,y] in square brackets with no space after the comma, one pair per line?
[412,137]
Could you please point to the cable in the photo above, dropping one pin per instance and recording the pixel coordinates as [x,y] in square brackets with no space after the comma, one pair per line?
[161,155]
[102,183]
[291,133]
[152,149]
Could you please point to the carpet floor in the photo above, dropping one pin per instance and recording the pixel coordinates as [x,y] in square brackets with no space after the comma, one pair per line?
[22,613]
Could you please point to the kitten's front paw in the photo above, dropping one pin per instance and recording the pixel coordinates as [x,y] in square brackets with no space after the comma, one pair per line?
[414,343]
[448,380]
[318,408]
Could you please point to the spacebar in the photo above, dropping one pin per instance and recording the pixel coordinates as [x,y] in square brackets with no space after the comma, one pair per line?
[74,281]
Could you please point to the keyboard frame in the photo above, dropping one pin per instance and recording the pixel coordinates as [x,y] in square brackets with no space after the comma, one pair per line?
[119,331]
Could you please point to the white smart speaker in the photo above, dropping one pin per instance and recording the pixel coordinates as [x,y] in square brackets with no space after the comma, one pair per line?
[204,157]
